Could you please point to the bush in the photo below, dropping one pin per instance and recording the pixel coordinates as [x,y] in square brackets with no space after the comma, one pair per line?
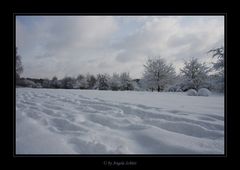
[192,92]
[204,92]
[172,89]
[179,90]
[38,85]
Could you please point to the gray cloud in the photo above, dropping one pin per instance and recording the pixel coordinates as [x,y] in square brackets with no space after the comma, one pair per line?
[167,37]
[60,45]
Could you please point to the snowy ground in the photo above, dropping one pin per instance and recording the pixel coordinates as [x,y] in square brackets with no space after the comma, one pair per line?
[51,121]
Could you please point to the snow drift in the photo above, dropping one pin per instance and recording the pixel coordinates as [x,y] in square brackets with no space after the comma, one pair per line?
[192,92]
[204,92]
[52,121]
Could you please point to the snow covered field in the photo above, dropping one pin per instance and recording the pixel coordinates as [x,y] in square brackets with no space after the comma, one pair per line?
[52,121]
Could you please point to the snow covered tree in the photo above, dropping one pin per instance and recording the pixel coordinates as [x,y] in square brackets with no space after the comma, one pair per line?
[136,84]
[158,74]
[102,82]
[67,82]
[195,73]
[115,82]
[219,53]
[46,83]
[81,82]
[125,81]
[19,66]
[26,82]
[55,82]
[91,81]
[217,81]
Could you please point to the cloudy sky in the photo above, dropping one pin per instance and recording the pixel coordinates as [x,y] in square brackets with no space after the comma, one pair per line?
[69,45]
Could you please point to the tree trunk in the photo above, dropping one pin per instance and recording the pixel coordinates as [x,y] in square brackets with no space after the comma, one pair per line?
[158,82]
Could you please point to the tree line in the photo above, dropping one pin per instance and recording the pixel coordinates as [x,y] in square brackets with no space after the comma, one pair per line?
[101,82]
[157,76]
